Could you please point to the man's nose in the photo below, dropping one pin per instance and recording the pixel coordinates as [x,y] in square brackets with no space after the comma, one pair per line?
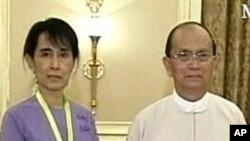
[194,63]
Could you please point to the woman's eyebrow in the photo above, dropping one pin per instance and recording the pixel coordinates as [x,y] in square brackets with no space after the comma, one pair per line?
[45,49]
[65,49]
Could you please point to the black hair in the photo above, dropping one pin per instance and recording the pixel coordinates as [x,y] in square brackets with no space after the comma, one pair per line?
[170,36]
[57,31]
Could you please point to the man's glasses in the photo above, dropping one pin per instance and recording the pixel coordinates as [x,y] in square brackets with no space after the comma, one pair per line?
[185,56]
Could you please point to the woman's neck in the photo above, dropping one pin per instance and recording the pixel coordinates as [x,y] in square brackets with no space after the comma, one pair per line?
[53,98]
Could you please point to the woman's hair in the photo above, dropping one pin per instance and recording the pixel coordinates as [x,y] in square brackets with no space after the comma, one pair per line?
[57,31]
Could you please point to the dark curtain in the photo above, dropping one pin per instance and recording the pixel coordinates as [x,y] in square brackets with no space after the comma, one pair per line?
[231,77]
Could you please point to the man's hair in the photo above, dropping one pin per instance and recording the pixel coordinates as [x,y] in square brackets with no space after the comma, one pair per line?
[57,31]
[171,34]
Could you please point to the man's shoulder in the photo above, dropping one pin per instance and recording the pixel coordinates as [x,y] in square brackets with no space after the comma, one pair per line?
[217,99]
[223,103]
[154,109]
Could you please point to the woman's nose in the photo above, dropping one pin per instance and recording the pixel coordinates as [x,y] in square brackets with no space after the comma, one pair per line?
[55,63]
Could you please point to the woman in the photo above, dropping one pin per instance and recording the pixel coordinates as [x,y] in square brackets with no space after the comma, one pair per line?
[51,51]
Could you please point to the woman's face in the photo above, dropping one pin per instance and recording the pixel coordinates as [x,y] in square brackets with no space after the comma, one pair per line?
[52,64]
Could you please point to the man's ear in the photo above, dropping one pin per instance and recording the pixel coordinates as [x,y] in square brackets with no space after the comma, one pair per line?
[215,60]
[30,63]
[167,65]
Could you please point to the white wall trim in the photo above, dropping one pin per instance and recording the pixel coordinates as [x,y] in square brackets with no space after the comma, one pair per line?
[189,10]
[4,55]
[112,130]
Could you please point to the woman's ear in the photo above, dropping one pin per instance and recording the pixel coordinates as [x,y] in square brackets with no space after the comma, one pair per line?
[74,68]
[30,63]
[167,66]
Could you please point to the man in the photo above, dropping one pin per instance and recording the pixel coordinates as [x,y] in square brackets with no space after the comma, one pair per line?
[191,113]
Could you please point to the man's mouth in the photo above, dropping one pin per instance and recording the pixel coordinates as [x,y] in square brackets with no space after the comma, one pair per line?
[196,76]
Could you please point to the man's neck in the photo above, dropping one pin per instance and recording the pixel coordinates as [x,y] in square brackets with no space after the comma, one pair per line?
[191,95]
[53,98]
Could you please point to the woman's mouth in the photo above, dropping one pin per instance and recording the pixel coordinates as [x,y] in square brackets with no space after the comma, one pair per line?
[54,77]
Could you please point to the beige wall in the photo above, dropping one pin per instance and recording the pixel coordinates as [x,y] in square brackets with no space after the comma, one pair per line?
[132,50]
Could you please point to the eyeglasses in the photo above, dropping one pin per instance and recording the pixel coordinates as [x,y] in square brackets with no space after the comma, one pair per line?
[185,56]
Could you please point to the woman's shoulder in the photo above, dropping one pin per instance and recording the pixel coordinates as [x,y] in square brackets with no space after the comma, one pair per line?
[80,109]
[26,104]
[20,111]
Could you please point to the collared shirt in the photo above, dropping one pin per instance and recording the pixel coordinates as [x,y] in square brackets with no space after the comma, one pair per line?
[26,122]
[174,119]
[191,107]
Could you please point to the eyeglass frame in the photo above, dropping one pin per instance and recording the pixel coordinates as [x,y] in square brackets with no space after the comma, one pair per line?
[193,55]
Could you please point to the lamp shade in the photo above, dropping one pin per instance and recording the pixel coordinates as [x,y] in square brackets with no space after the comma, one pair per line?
[96,26]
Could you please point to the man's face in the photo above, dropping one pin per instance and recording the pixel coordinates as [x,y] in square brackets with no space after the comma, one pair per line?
[189,71]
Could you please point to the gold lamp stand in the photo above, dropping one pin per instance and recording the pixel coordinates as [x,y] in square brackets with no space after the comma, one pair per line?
[93,69]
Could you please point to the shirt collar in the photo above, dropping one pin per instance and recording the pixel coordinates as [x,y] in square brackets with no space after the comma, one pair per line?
[191,107]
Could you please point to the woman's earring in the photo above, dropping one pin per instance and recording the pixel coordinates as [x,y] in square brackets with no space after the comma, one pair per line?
[69,83]
[35,87]
[70,79]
